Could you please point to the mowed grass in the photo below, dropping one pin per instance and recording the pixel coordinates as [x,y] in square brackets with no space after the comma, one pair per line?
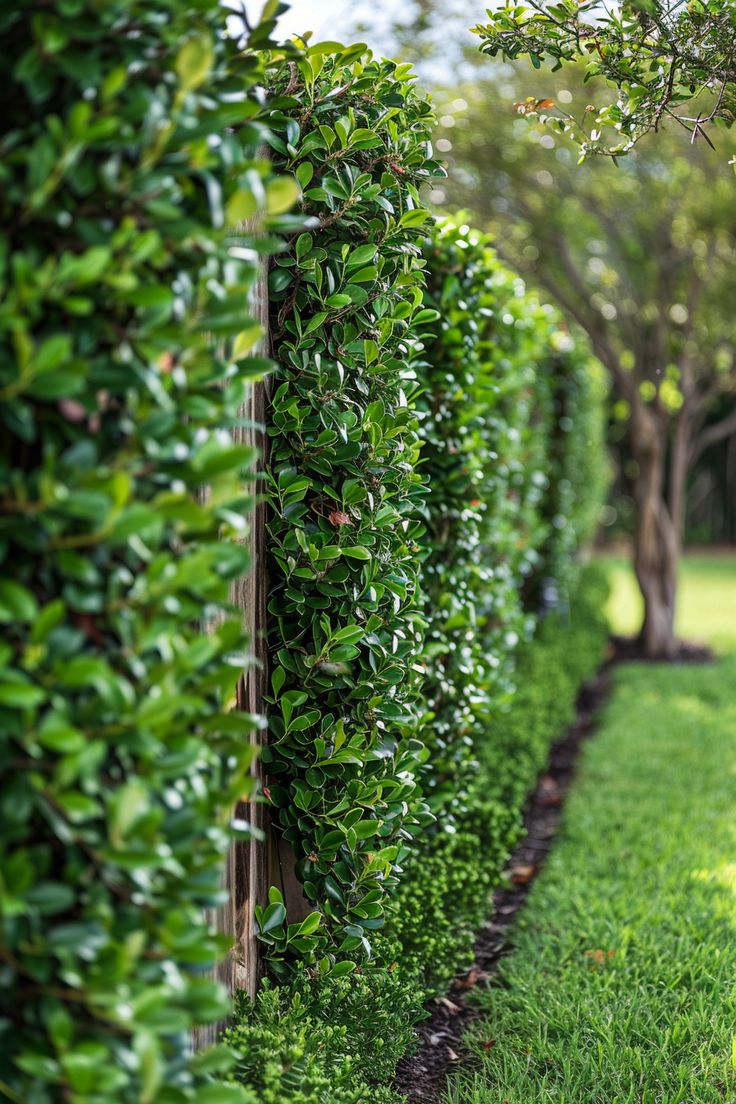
[706,610]
[621,988]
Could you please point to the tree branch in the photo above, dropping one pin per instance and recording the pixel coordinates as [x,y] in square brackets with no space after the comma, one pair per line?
[713,434]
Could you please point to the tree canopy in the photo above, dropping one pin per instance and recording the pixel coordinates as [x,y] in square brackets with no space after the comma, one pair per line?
[667,59]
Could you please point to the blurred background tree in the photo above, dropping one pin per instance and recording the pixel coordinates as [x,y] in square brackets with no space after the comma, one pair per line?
[641,256]
[669,61]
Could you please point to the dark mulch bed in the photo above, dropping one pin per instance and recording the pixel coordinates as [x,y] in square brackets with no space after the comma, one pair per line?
[629,648]
[422,1076]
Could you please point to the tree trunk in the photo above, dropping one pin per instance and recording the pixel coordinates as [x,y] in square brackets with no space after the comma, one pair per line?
[656,544]
[679,460]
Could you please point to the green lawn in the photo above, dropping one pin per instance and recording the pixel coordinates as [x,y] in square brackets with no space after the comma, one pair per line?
[622,985]
[707,598]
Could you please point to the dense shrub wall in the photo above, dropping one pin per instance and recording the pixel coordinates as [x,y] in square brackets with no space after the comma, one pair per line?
[431,429]
[435,448]
[126,149]
[513,455]
[345,621]
[339,1040]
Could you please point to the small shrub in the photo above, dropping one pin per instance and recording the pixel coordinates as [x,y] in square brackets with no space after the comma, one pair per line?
[333,1042]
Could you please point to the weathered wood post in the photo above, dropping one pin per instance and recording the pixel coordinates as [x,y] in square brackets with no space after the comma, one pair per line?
[252,866]
[245,876]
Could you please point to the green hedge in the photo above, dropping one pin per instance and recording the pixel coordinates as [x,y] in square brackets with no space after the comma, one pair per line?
[514,452]
[345,623]
[127,145]
[339,1040]
[513,445]
[432,473]
[433,476]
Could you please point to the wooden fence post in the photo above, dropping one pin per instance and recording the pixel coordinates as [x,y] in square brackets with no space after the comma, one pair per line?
[253,865]
[245,876]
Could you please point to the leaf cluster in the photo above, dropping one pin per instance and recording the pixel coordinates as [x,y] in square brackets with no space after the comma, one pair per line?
[344,488]
[128,146]
[667,61]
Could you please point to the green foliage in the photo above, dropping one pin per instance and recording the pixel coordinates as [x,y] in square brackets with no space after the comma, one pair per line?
[344,486]
[484,458]
[332,1040]
[513,425]
[328,1039]
[598,239]
[577,462]
[660,56]
[620,983]
[444,894]
[119,758]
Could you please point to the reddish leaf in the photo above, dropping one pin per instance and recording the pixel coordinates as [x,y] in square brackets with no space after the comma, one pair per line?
[520,875]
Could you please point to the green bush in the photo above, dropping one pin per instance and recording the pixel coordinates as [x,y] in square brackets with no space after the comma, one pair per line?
[512,425]
[327,1041]
[345,624]
[127,148]
[445,893]
[577,463]
[484,456]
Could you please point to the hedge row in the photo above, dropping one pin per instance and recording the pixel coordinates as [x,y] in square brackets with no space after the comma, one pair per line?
[429,480]
[435,468]
[425,490]
[127,151]
[338,1040]
[513,456]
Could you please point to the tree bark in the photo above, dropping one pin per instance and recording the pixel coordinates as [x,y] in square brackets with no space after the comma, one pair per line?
[679,461]
[656,545]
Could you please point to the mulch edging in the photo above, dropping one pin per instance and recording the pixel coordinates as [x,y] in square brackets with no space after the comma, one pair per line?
[423,1075]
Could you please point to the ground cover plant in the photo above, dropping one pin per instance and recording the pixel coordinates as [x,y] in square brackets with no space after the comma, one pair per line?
[119,755]
[619,987]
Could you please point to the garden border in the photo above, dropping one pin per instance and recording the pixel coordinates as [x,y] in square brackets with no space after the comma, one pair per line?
[422,1075]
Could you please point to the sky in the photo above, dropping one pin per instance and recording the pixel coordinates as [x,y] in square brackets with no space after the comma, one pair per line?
[327,18]
[336,20]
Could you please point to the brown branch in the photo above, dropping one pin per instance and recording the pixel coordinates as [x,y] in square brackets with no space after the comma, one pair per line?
[713,434]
